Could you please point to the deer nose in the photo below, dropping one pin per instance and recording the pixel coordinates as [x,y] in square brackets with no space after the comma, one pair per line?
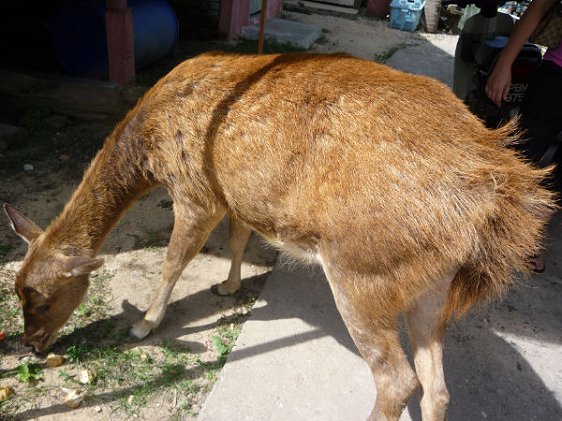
[32,346]
[29,345]
[27,342]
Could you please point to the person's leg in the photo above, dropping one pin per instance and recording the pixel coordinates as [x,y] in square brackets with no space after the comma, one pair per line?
[542,122]
[542,114]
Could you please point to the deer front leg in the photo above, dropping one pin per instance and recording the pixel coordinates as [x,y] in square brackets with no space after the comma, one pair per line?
[188,236]
[238,237]
[427,330]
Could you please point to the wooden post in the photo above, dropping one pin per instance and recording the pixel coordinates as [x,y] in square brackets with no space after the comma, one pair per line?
[120,41]
[263,16]
[234,14]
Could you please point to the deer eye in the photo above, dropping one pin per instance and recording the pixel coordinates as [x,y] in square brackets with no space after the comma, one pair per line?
[42,309]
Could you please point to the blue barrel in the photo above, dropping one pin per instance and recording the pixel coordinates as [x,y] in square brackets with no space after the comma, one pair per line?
[79,42]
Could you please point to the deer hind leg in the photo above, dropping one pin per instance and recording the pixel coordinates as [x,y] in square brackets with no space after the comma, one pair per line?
[426,327]
[188,236]
[370,314]
[238,236]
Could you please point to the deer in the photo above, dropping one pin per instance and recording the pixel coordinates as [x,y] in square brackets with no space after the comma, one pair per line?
[411,206]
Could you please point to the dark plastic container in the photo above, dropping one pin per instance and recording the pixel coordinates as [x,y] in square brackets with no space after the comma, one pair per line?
[79,42]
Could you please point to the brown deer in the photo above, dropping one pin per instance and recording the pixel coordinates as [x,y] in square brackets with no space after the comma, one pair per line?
[406,200]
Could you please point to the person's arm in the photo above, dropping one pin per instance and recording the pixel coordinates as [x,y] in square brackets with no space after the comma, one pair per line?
[499,81]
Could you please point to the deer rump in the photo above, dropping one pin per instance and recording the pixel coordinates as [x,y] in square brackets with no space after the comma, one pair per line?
[406,200]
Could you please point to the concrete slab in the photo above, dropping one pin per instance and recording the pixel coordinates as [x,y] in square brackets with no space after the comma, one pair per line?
[294,359]
[433,58]
[285,32]
[346,9]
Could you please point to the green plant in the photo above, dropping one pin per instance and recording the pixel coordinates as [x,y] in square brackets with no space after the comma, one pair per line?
[78,352]
[83,310]
[10,308]
[138,397]
[175,352]
[222,348]
[172,372]
[28,372]
[188,386]
[227,335]
[63,374]
[250,300]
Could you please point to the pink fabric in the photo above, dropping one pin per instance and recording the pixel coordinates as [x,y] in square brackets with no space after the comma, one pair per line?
[554,55]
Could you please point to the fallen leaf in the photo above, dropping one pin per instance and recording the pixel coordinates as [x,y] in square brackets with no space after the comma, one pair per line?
[54,360]
[5,393]
[73,399]
[87,376]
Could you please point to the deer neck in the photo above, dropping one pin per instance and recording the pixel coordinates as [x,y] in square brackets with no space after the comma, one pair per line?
[114,180]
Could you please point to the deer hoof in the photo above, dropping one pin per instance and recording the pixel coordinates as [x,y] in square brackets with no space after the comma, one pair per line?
[140,330]
[224,289]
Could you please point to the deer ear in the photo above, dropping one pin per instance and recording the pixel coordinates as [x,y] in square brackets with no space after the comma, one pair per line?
[22,225]
[76,266]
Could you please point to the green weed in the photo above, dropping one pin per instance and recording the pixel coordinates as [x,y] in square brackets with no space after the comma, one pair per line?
[226,337]
[29,372]
[78,352]
[10,308]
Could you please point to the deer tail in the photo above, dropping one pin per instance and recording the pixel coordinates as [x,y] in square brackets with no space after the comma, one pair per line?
[510,236]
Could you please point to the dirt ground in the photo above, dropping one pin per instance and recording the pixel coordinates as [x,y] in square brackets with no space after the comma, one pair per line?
[40,167]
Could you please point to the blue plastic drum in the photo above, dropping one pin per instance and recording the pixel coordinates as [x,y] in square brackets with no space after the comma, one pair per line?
[79,42]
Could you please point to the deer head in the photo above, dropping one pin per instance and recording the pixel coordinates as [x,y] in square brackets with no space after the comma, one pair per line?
[50,284]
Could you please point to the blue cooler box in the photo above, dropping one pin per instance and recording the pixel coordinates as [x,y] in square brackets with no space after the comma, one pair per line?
[405,14]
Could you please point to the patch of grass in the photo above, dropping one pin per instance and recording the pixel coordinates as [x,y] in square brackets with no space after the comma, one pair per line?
[223,348]
[250,300]
[172,372]
[210,369]
[173,350]
[226,336]
[63,374]
[29,372]
[11,317]
[138,397]
[78,353]
[188,386]
[155,376]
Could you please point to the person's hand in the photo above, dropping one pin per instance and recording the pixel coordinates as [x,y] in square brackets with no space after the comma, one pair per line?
[499,83]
